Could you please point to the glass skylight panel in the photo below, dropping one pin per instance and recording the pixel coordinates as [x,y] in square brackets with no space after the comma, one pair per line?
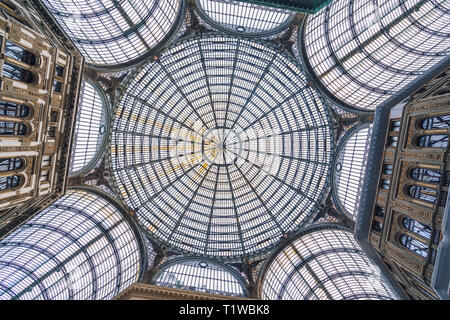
[350,169]
[364,52]
[90,130]
[324,263]
[202,275]
[80,248]
[110,33]
[201,154]
[244,18]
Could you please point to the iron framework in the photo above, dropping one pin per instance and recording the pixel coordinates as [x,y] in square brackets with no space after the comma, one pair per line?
[322,262]
[221,147]
[82,247]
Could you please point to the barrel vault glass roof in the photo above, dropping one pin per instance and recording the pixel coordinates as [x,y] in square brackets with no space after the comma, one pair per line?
[81,247]
[323,263]
[223,146]
[113,32]
[91,128]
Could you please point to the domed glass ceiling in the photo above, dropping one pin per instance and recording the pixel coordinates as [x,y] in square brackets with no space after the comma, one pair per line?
[221,146]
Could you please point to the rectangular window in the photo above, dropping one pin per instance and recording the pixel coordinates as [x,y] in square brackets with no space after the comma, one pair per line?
[54,116]
[45,176]
[377,226]
[395,125]
[379,211]
[57,86]
[392,141]
[385,183]
[52,132]
[59,71]
[46,160]
[387,168]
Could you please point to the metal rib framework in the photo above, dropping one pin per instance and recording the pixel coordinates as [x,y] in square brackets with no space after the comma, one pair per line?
[221,147]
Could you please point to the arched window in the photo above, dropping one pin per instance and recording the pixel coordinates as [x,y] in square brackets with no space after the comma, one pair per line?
[11,164]
[426,175]
[351,160]
[201,275]
[433,141]
[14,51]
[9,182]
[414,245]
[8,128]
[17,73]
[417,227]
[244,18]
[14,110]
[423,193]
[437,122]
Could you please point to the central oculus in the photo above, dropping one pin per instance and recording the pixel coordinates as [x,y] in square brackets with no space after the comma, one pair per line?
[221,147]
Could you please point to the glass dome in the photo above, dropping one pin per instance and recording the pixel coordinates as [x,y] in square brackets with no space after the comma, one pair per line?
[362,52]
[323,263]
[244,18]
[79,248]
[221,147]
[111,33]
[202,275]
[91,128]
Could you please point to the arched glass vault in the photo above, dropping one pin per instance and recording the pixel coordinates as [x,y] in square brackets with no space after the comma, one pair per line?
[221,147]
[82,247]
[199,274]
[242,18]
[361,52]
[91,129]
[117,33]
[350,168]
[323,262]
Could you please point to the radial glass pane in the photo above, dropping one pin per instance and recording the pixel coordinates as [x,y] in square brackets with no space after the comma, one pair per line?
[80,248]
[324,263]
[221,146]
[364,51]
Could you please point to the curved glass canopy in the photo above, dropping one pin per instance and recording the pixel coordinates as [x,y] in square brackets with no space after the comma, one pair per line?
[323,263]
[91,128]
[221,147]
[80,248]
[202,275]
[364,51]
[244,18]
[350,169]
[109,33]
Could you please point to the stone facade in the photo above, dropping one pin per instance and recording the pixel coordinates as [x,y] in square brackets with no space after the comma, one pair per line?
[140,291]
[413,189]
[38,96]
